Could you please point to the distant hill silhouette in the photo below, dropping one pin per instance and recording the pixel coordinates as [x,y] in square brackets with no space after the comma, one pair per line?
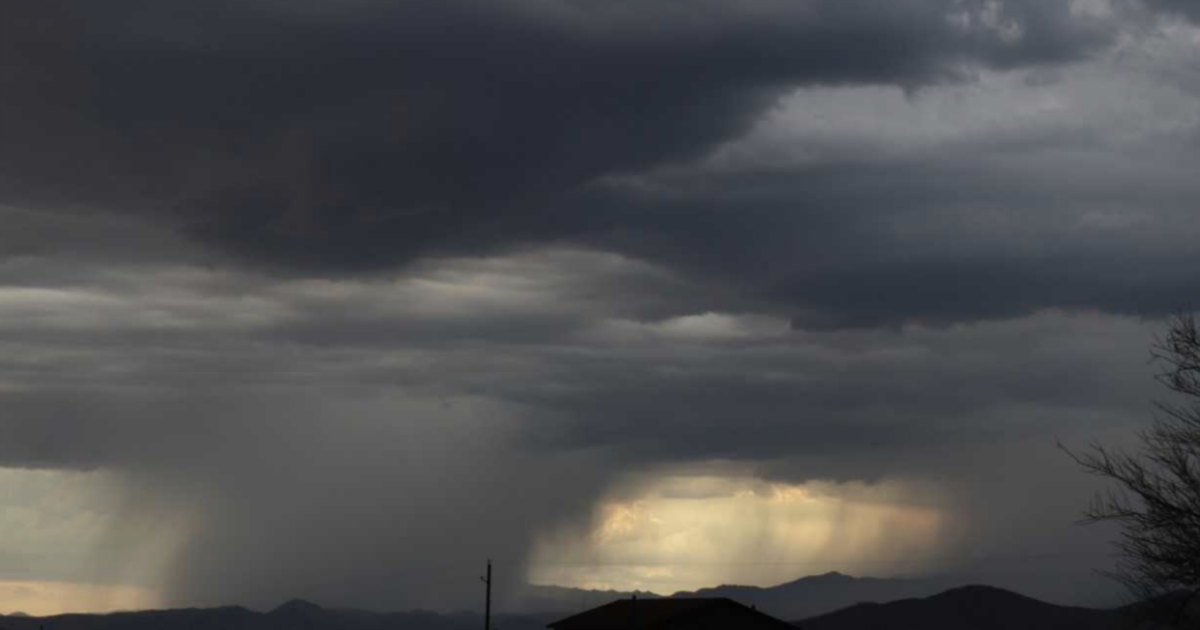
[814,595]
[224,618]
[836,598]
[534,598]
[975,608]
[293,615]
[800,598]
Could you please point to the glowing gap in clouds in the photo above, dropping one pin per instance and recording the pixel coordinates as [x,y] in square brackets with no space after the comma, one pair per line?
[52,598]
[687,532]
[80,541]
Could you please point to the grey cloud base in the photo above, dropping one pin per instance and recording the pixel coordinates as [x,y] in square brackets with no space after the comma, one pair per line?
[262,413]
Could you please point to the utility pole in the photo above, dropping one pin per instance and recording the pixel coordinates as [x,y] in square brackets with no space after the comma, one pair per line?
[487,606]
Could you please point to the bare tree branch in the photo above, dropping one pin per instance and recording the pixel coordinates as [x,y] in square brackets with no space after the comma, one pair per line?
[1156,495]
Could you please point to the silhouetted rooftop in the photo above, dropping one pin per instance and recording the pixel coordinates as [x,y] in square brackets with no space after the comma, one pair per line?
[659,614]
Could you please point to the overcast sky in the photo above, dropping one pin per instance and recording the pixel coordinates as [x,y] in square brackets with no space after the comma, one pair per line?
[335,299]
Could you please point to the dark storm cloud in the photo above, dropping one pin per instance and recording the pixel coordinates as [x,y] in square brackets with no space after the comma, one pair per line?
[567,283]
[958,233]
[74,240]
[362,136]
[365,134]
[1183,8]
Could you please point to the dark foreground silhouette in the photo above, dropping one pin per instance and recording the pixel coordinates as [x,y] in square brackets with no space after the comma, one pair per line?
[668,613]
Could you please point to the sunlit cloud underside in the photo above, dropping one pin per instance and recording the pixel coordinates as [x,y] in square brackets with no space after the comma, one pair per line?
[688,532]
[52,598]
[72,543]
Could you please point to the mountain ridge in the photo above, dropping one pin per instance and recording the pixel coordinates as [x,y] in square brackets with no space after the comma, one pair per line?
[816,594]
[802,598]
[978,607]
[971,607]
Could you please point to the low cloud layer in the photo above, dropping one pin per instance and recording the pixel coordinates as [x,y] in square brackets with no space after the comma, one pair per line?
[418,424]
